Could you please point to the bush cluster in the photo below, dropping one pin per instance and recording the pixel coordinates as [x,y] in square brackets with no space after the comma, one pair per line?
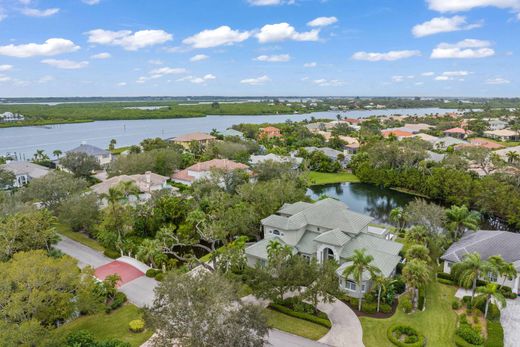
[406,303]
[112,254]
[455,304]
[412,338]
[495,335]
[118,301]
[136,326]
[469,334]
[305,316]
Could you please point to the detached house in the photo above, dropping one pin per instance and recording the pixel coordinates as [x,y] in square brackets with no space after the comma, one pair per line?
[24,172]
[203,170]
[269,132]
[325,230]
[185,140]
[102,156]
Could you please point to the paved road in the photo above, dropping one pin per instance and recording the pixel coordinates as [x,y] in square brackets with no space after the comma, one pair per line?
[139,291]
[85,255]
[510,319]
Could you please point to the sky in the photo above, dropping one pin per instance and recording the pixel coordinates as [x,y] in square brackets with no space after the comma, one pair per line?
[53,48]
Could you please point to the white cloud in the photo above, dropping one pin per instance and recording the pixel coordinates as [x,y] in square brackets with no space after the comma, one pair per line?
[429,73]
[101,56]
[465,49]
[442,78]
[322,21]
[256,81]
[50,47]
[91,2]
[328,83]
[131,41]
[5,79]
[198,80]
[270,2]
[34,12]
[121,84]
[65,64]
[466,5]
[199,57]
[452,75]
[163,71]
[419,83]
[388,56]
[398,78]
[5,67]
[220,36]
[311,64]
[497,80]
[443,25]
[281,58]
[284,31]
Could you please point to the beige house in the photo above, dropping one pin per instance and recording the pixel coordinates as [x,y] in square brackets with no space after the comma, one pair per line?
[203,170]
[185,140]
[503,135]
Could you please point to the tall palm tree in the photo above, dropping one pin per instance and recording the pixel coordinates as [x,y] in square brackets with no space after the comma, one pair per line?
[381,283]
[503,268]
[57,153]
[460,219]
[487,293]
[417,234]
[418,252]
[398,216]
[470,269]
[148,251]
[361,263]
[416,274]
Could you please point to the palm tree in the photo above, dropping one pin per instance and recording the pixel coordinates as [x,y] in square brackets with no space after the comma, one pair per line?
[148,250]
[512,157]
[488,292]
[361,263]
[460,219]
[57,153]
[470,269]
[112,144]
[418,252]
[398,216]
[417,234]
[381,282]
[416,274]
[503,268]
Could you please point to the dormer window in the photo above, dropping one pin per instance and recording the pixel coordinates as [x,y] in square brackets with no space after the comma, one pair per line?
[276,232]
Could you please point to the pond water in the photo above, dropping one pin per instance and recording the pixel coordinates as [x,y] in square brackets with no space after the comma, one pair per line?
[24,141]
[364,198]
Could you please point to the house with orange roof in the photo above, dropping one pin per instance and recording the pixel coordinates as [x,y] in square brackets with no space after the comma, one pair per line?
[203,170]
[400,134]
[459,133]
[269,132]
[486,144]
[185,140]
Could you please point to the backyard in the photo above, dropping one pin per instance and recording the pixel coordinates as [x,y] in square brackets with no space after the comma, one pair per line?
[437,322]
[317,178]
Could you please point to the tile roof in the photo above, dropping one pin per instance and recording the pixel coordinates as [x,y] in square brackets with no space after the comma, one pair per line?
[458,131]
[198,136]
[223,164]
[141,181]
[90,150]
[398,133]
[25,168]
[333,237]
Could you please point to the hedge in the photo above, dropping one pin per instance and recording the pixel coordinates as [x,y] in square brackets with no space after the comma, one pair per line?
[305,316]
[469,334]
[493,310]
[112,254]
[445,281]
[421,299]
[152,272]
[408,330]
[445,276]
[460,342]
[495,334]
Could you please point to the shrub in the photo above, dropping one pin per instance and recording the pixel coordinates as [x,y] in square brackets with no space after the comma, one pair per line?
[470,335]
[152,273]
[466,299]
[399,268]
[463,319]
[112,254]
[411,339]
[475,319]
[495,335]
[445,276]
[305,316]
[507,292]
[422,299]
[136,326]
[460,342]
[455,304]
[385,308]
[369,307]
[493,313]
[444,281]
[406,303]
[399,286]
[119,300]
[159,277]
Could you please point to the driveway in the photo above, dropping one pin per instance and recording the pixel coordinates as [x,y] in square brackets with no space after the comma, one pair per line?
[279,338]
[85,255]
[346,328]
[510,319]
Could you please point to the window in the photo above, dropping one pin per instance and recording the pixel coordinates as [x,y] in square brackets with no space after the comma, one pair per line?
[306,257]
[328,254]
[492,276]
[350,285]
[363,288]
[276,232]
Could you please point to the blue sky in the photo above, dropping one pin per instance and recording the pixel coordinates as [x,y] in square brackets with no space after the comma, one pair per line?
[259,47]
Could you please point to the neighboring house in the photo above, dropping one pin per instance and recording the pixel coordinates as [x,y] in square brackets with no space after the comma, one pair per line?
[405,129]
[147,184]
[436,157]
[185,140]
[418,127]
[458,133]
[497,124]
[203,170]
[24,171]
[232,133]
[257,159]
[269,132]
[503,153]
[445,142]
[102,156]
[503,135]
[325,230]
[486,144]
[7,117]
[428,138]
[487,243]
[400,134]
[331,154]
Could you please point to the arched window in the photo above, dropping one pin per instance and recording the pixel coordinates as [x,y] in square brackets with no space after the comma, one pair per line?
[328,254]
[276,232]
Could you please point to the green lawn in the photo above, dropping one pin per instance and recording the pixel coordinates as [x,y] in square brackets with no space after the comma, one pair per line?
[292,325]
[318,178]
[109,326]
[437,322]
[79,237]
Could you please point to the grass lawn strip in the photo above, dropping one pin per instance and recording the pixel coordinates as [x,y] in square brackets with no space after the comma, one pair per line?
[79,237]
[292,325]
[110,326]
[437,323]
[317,178]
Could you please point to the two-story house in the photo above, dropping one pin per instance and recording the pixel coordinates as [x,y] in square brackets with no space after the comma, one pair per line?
[325,230]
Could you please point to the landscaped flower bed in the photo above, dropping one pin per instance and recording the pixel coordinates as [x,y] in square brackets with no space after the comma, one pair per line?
[296,308]
[405,336]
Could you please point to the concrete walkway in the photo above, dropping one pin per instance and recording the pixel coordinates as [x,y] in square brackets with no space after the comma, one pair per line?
[510,319]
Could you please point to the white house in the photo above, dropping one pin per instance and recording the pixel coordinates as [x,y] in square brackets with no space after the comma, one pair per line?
[325,230]
[24,171]
[487,243]
[102,156]
[257,159]
[11,117]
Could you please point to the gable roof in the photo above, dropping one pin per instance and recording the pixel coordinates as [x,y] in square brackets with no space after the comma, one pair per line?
[333,237]
[223,164]
[329,152]
[90,150]
[486,243]
[457,131]
[139,180]
[25,168]
[197,136]
[259,249]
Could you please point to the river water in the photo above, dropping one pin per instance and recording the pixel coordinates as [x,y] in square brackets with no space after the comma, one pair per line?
[24,141]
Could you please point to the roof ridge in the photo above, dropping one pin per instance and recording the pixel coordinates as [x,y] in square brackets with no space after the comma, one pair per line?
[498,232]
